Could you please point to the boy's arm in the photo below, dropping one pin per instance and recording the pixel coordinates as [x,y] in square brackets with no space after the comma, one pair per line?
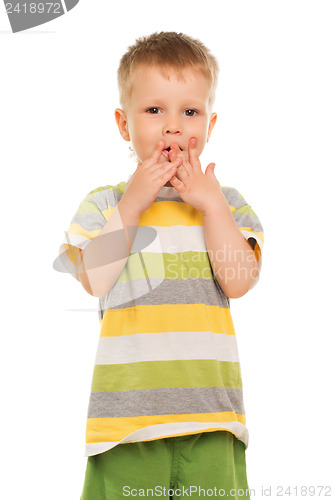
[101,262]
[232,258]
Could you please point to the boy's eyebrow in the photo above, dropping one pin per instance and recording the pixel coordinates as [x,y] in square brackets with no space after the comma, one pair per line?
[187,104]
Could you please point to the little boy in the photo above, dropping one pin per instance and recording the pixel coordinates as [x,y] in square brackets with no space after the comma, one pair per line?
[164,253]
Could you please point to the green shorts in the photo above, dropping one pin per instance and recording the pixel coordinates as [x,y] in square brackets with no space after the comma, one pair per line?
[208,464]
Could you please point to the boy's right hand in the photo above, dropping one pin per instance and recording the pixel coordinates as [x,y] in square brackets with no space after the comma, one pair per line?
[148,178]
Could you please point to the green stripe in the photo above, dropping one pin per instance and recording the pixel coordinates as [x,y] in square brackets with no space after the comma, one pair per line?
[86,207]
[166,374]
[182,265]
[246,210]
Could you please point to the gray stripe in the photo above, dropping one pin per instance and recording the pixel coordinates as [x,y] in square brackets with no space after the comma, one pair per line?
[169,291]
[108,196]
[111,195]
[105,196]
[235,199]
[164,198]
[173,401]
[248,220]
[89,221]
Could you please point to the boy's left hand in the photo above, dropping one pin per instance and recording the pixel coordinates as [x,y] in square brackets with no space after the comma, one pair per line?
[201,190]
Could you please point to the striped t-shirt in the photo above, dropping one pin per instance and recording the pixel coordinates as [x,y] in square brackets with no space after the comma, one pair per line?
[167,360]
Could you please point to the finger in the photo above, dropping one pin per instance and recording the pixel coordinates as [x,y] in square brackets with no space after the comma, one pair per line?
[165,165]
[177,161]
[177,184]
[156,154]
[167,168]
[173,153]
[182,171]
[174,148]
[193,154]
[186,167]
[165,175]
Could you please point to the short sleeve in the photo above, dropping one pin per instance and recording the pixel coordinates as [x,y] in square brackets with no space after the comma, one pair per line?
[247,222]
[87,222]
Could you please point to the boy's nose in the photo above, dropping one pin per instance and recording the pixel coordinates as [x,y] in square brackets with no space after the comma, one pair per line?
[172,126]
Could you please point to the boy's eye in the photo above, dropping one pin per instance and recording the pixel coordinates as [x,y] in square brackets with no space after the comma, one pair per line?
[153,111]
[190,112]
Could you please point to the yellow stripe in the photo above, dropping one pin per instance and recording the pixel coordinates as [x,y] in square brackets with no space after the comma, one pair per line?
[260,234]
[72,253]
[175,318]
[78,229]
[167,213]
[115,429]
[108,212]
[170,215]
[257,252]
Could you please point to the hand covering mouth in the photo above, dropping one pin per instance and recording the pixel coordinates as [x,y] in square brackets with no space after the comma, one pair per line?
[166,151]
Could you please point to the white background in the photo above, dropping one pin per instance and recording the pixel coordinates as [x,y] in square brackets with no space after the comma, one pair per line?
[272,141]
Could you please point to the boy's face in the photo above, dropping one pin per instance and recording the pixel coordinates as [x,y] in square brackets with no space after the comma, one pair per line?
[169,109]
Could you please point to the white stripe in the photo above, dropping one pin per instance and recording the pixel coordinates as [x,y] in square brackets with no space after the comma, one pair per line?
[166,346]
[248,234]
[175,239]
[77,240]
[63,262]
[161,430]
[180,239]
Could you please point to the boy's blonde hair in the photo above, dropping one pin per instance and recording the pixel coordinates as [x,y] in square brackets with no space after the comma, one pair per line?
[166,50]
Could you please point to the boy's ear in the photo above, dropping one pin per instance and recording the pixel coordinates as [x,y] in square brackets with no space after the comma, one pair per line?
[121,120]
[212,122]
